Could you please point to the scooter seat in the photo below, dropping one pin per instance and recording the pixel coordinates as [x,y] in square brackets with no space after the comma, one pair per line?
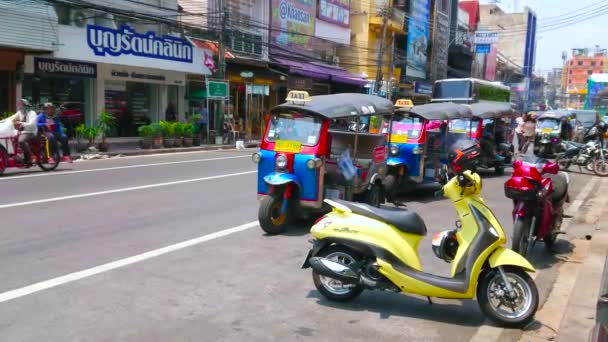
[404,220]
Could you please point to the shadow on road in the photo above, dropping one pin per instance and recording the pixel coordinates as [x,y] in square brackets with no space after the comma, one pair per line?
[388,305]
[541,258]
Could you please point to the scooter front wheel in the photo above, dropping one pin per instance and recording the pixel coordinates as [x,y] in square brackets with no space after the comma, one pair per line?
[515,309]
[333,289]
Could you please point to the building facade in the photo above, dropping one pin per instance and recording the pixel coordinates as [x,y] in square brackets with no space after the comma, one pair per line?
[577,71]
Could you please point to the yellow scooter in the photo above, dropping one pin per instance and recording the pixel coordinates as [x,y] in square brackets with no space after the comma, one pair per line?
[359,247]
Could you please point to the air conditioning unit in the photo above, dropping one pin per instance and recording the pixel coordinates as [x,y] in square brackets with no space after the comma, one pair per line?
[81,18]
[336,60]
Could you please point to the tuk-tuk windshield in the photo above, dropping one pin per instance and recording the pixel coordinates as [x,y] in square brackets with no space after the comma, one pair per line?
[460,126]
[293,126]
[548,123]
[409,126]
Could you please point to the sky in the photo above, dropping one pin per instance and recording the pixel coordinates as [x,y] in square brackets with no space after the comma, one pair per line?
[584,34]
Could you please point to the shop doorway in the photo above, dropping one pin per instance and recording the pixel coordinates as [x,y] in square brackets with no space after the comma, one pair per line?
[4,92]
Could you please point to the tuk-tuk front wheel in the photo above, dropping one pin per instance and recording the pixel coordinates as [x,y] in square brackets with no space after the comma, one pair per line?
[272,221]
[375,196]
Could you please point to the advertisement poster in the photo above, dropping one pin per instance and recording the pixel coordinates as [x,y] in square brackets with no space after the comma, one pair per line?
[293,23]
[335,11]
[490,73]
[441,42]
[418,38]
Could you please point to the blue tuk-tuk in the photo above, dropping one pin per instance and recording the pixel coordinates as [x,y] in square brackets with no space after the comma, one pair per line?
[328,146]
[419,139]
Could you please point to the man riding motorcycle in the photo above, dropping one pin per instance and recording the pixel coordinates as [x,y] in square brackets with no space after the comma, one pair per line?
[25,121]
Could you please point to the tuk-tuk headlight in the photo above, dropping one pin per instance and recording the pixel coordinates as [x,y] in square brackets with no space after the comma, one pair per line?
[394,149]
[314,163]
[256,157]
[281,161]
[417,150]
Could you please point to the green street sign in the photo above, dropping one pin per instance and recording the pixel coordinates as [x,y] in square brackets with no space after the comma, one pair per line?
[217,89]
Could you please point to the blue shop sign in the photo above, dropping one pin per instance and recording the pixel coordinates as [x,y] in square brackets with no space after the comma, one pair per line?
[423,88]
[125,41]
[483,48]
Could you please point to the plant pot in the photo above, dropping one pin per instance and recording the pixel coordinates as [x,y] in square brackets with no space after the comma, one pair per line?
[168,142]
[188,141]
[196,141]
[103,147]
[146,142]
[177,142]
[157,142]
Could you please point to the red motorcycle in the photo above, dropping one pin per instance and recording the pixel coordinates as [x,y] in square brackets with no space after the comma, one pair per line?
[538,190]
[44,151]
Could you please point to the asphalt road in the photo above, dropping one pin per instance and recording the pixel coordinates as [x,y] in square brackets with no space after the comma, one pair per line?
[236,286]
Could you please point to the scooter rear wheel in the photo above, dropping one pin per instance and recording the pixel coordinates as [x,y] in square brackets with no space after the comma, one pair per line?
[496,304]
[333,289]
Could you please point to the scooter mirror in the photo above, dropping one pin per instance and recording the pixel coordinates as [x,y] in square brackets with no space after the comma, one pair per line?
[517,164]
[551,167]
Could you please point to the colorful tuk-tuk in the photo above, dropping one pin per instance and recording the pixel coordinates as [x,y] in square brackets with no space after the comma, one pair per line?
[549,132]
[490,126]
[419,140]
[328,146]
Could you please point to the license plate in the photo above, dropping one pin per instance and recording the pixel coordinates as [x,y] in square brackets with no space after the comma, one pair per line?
[547,130]
[399,138]
[308,256]
[287,146]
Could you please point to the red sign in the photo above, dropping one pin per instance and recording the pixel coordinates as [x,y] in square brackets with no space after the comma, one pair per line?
[379,154]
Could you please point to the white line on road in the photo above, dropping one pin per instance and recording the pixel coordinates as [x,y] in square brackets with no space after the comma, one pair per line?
[59,173]
[114,191]
[68,278]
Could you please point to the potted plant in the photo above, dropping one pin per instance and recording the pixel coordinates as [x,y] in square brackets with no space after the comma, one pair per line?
[177,133]
[90,134]
[168,133]
[195,120]
[157,135]
[146,134]
[105,123]
[187,132]
[81,132]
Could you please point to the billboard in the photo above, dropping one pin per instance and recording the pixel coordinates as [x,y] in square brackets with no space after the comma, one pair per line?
[335,11]
[418,38]
[293,24]
[441,42]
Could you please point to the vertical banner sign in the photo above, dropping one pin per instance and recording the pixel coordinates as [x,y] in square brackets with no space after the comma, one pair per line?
[441,41]
[293,24]
[418,38]
[335,11]
[491,60]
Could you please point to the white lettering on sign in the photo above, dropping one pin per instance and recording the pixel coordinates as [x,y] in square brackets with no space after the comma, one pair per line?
[125,41]
[63,67]
[486,37]
[288,11]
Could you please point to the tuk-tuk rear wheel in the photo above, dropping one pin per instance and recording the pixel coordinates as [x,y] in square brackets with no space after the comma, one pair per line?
[270,217]
[3,159]
[374,196]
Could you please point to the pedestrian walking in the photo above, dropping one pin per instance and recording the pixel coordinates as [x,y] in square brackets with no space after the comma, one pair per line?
[529,129]
[519,131]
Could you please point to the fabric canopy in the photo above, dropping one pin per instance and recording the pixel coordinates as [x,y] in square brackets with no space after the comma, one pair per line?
[323,72]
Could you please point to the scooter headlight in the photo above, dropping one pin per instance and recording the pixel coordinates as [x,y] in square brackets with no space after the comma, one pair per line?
[256,157]
[281,161]
[394,150]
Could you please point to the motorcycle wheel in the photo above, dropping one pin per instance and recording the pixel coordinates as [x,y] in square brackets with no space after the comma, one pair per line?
[600,167]
[499,170]
[46,166]
[496,303]
[563,164]
[3,159]
[333,289]
[390,183]
[521,231]
[270,218]
[374,196]
[550,241]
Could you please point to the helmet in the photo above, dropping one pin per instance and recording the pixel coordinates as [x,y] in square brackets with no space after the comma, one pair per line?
[445,245]
[602,127]
[463,155]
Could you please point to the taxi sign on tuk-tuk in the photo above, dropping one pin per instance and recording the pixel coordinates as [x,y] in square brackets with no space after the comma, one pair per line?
[287,146]
[298,97]
[404,103]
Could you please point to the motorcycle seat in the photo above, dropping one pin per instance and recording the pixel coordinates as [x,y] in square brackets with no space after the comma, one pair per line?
[405,220]
[560,187]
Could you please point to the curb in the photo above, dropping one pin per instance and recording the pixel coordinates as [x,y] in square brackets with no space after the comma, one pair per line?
[141,152]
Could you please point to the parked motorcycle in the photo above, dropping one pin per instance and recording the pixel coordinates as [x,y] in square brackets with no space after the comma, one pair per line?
[538,191]
[359,247]
[592,155]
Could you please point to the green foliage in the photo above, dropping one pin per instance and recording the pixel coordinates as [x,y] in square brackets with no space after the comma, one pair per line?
[145,131]
[188,130]
[156,130]
[5,115]
[490,93]
[166,129]
[177,129]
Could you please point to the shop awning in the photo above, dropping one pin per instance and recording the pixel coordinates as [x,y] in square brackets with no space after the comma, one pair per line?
[322,72]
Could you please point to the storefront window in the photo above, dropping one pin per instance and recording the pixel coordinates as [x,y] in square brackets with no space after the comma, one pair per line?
[129,102]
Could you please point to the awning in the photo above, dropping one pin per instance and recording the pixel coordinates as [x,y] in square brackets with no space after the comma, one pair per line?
[322,72]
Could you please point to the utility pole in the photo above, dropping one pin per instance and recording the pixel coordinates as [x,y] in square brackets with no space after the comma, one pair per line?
[385,10]
[391,68]
[219,117]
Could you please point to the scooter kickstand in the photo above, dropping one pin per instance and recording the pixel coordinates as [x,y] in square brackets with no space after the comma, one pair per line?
[430,301]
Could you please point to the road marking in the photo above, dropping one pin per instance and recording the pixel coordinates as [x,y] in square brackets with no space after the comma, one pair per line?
[68,278]
[114,191]
[488,332]
[60,173]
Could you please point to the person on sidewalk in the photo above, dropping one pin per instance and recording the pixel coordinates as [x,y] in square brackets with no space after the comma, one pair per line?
[57,134]
[529,130]
[519,131]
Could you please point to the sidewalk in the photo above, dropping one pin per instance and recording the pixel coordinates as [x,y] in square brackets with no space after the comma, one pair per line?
[569,312]
[131,147]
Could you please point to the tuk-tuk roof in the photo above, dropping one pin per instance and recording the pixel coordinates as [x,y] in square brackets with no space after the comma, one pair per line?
[439,111]
[554,114]
[342,105]
[491,110]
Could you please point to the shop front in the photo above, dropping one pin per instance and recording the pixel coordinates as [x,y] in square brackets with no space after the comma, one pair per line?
[10,61]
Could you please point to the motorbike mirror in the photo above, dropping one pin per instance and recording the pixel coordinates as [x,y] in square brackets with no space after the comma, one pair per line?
[517,164]
[551,167]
